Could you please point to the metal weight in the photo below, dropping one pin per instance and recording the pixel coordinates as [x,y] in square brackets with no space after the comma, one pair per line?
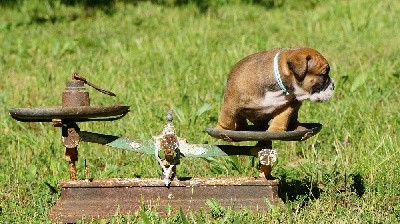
[75,108]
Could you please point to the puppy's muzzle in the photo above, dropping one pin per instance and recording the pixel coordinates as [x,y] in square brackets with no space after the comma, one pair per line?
[325,92]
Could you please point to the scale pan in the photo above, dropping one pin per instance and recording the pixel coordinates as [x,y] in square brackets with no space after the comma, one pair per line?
[305,131]
[82,113]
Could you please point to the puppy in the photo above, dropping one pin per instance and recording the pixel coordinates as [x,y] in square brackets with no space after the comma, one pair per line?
[269,87]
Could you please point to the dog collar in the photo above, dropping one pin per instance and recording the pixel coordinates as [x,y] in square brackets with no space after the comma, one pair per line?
[278,75]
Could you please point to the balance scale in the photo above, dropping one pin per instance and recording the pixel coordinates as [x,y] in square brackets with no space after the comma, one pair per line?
[102,198]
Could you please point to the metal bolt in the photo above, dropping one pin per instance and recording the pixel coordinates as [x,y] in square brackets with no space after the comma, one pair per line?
[169,116]
[267,156]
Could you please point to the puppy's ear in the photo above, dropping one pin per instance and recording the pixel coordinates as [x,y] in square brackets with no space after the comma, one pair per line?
[299,64]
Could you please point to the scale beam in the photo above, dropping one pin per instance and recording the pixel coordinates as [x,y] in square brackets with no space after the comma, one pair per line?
[185,149]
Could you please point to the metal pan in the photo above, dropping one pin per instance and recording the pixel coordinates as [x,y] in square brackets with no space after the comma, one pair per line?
[82,113]
[307,130]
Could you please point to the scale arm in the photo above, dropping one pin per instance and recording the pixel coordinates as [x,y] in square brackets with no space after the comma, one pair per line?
[185,149]
[140,146]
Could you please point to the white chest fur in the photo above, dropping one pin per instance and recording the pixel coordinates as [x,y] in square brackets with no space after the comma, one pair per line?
[300,93]
[272,101]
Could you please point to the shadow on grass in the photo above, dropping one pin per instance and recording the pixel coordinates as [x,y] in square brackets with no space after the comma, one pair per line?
[51,12]
[107,6]
[85,3]
[290,190]
[358,184]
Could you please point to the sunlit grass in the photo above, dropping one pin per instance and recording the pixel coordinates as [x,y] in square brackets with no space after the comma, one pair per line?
[158,58]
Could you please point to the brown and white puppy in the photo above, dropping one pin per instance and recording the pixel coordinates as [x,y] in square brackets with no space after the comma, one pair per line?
[269,87]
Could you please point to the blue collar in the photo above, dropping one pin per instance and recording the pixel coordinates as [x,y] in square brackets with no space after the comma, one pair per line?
[278,75]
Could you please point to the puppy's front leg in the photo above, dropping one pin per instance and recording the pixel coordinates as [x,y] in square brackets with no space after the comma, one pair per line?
[284,117]
[229,119]
[294,123]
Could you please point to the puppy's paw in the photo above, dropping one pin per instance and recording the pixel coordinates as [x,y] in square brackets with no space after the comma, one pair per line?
[300,128]
[219,127]
[295,126]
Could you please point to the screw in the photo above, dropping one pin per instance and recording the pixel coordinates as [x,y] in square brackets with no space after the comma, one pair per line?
[169,116]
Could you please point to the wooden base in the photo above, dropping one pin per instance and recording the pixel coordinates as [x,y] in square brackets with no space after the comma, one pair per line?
[102,198]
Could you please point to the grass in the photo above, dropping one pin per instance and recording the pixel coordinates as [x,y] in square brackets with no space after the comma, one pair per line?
[157,58]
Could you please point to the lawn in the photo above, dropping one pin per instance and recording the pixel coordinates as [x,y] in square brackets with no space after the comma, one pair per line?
[159,57]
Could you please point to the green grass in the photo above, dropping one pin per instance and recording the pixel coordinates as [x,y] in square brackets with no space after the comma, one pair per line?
[157,58]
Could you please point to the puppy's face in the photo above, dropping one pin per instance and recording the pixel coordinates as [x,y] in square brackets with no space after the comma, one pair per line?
[311,75]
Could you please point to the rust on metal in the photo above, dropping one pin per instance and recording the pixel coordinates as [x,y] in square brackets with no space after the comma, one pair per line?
[72,170]
[77,77]
[70,135]
[87,172]
[57,123]
[71,154]
[226,138]
[70,139]
[75,94]
[102,198]
[157,182]
[265,171]
[169,143]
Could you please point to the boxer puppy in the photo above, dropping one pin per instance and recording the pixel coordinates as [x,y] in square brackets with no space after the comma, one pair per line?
[269,87]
